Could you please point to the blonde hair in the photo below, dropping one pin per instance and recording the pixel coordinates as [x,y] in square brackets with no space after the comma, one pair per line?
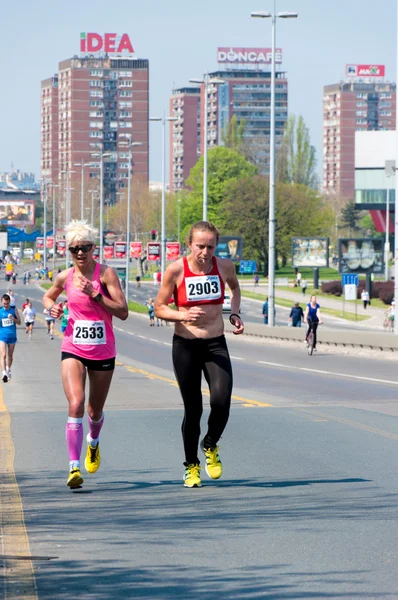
[80,231]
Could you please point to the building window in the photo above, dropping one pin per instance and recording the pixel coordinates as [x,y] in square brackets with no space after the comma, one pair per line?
[127,83]
[125,94]
[96,83]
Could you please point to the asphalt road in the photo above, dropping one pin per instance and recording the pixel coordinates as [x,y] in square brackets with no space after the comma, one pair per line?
[306,508]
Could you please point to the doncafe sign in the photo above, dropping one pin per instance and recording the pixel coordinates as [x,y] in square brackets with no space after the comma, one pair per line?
[248,55]
[111,43]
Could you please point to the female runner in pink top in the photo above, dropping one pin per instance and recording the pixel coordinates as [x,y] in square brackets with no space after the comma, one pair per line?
[94,297]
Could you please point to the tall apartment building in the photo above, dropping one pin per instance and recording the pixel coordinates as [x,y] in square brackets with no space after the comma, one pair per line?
[49,129]
[184,134]
[349,107]
[246,94]
[99,102]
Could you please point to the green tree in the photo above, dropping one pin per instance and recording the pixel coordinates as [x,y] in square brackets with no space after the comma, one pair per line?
[300,211]
[349,218]
[233,134]
[296,161]
[224,165]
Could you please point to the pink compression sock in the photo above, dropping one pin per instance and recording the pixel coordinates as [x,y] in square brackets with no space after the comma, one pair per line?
[95,427]
[74,438]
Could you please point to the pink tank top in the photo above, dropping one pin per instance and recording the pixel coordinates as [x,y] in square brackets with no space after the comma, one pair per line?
[89,332]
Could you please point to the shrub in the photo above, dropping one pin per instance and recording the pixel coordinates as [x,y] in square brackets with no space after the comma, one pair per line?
[332,287]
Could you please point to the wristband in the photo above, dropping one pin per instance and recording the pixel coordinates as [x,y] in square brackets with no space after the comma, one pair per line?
[233,315]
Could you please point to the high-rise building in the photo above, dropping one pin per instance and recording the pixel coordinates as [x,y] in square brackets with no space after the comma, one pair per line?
[349,107]
[89,107]
[49,129]
[246,93]
[184,134]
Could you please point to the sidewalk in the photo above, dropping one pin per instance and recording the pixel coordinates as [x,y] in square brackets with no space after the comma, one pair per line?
[376,314]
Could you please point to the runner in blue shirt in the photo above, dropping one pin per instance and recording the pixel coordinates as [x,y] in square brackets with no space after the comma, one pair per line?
[9,319]
[313,318]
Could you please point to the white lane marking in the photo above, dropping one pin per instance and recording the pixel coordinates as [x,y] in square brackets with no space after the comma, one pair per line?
[373,379]
[125,331]
[237,357]
[143,337]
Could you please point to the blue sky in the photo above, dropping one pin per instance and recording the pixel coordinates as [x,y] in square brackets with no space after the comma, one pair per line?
[180,40]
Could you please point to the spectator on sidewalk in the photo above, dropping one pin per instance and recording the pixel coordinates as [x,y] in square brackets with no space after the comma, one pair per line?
[265,312]
[365,298]
[298,279]
[303,286]
[296,315]
[256,280]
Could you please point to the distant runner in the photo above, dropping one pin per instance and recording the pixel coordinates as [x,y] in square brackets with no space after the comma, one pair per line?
[9,319]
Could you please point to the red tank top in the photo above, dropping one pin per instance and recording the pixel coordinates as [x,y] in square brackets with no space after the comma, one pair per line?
[197,289]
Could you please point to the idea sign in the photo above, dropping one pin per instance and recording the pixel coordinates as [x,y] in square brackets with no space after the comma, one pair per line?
[108,43]
[259,56]
[365,70]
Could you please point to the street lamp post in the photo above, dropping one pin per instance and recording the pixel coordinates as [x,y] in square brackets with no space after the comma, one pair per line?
[67,205]
[178,219]
[130,145]
[206,81]
[54,236]
[45,191]
[271,219]
[102,155]
[92,192]
[82,165]
[163,225]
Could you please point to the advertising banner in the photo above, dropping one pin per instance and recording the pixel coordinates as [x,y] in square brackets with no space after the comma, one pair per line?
[365,70]
[39,242]
[361,255]
[17,212]
[61,247]
[230,246]
[247,266]
[135,249]
[108,252]
[251,56]
[49,242]
[120,249]
[107,43]
[172,250]
[96,252]
[153,251]
[310,252]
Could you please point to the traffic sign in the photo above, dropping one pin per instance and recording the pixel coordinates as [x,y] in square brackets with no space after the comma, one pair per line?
[350,291]
[349,279]
[247,266]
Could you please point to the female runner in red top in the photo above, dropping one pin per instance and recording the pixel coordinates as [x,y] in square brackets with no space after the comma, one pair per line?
[198,284]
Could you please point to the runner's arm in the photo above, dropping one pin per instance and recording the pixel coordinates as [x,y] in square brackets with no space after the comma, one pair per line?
[233,285]
[162,308]
[116,305]
[318,314]
[17,317]
[50,297]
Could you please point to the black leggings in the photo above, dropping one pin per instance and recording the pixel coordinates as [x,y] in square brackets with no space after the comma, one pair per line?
[190,358]
[314,326]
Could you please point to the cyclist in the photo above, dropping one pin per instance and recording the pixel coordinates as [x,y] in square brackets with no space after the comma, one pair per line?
[313,318]
[199,346]
[88,347]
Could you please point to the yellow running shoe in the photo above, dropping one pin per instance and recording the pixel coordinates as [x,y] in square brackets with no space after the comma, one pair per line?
[75,479]
[192,475]
[93,458]
[213,463]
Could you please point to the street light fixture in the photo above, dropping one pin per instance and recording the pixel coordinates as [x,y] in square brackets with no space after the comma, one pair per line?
[101,155]
[82,165]
[163,227]
[207,80]
[271,231]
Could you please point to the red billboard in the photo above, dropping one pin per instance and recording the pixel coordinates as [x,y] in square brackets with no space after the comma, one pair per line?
[172,250]
[49,242]
[108,252]
[153,251]
[135,249]
[61,247]
[365,70]
[250,56]
[120,249]
[39,242]
[17,212]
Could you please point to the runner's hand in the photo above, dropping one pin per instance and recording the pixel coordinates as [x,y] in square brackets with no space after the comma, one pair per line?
[56,311]
[238,323]
[86,286]
[194,313]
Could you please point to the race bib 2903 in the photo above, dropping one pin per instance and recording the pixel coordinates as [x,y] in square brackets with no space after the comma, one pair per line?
[203,287]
